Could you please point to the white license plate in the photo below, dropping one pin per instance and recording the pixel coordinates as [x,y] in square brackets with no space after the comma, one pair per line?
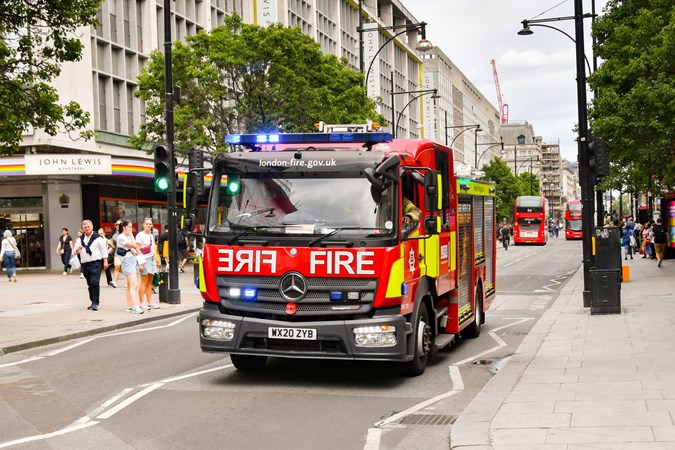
[528,234]
[307,334]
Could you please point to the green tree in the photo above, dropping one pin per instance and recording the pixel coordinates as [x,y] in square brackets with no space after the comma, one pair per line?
[507,188]
[247,78]
[528,184]
[36,37]
[634,92]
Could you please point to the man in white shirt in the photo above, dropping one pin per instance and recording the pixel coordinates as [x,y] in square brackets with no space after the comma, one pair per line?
[93,251]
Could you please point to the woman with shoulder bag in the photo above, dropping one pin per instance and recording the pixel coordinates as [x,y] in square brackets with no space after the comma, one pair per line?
[148,268]
[127,249]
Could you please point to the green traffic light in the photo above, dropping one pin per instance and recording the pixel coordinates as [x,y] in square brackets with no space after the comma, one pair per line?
[162,184]
[233,187]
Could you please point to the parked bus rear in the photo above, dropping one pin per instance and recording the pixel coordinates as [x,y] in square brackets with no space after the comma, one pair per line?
[573,220]
[529,220]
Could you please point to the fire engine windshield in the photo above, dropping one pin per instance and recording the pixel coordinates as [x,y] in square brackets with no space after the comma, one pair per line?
[300,203]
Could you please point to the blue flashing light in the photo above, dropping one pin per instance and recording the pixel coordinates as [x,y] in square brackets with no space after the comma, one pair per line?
[249,294]
[335,296]
[307,138]
[404,288]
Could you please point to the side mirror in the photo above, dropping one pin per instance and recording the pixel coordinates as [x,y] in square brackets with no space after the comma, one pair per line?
[433,195]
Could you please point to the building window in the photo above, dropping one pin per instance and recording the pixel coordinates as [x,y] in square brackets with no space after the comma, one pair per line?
[521,140]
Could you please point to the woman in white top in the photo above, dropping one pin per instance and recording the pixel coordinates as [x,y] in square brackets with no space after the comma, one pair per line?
[126,244]
[7,251]
[146,242]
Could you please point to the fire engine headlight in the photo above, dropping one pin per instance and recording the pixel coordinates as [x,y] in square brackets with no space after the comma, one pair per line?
[221,330]
[375,336]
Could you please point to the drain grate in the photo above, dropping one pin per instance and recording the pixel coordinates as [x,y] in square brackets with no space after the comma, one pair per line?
[428,419]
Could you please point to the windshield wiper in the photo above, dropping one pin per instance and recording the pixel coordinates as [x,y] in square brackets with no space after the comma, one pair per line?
[248,230]
[337,230]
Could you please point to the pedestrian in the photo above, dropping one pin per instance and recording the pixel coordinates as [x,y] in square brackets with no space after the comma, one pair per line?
[163,238]
[8,251]
[182,245]
[65,249]
[649,241]
[660,235]
[93,252]
[626,241]
[117,259]
[127,249]
[79,235]
[146,242]
[110,246]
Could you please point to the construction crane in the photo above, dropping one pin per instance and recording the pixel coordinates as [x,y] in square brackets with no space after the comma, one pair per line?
[503,107]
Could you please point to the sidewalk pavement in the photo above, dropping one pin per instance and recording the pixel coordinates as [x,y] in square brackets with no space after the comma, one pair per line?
[581,381]
[45,307]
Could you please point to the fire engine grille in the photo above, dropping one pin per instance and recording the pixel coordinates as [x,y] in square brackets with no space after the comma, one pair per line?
[318,347]
[318,301]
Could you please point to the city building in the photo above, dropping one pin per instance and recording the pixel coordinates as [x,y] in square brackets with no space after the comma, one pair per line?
[522,148]
[551,177]
[56,181]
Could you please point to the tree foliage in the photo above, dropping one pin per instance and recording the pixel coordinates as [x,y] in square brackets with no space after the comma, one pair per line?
[507,188]
[634,93]
[247,78]
[36,37]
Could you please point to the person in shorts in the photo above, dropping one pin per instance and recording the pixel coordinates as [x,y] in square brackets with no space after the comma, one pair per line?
[148,248]
[127,251]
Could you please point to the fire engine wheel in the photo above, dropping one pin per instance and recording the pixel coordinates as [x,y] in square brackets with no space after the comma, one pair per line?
[248,362]
[422,343]
[473,330]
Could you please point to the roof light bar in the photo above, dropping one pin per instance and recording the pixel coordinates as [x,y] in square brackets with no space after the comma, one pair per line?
[306,138]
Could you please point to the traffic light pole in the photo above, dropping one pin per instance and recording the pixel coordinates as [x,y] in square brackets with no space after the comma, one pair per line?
[586,180]
[174,289]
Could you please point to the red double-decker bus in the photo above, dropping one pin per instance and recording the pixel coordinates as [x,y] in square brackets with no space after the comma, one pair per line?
[573,220]
[529,220]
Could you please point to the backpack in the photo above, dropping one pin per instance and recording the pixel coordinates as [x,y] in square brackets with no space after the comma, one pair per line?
[660,236]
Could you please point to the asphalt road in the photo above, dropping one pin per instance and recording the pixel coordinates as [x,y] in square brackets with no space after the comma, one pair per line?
[150,387]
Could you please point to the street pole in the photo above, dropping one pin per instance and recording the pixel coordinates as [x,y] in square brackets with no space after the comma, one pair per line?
[583,153]
[361,52]
[515,168]
[393,109]
[174,289]
[475,148]
[445,128]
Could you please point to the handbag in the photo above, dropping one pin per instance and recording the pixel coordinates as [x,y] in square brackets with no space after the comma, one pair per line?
[121,251]
[17,253]
[74,262]
[147,249]
[140,259]
[157,279]
[633,242]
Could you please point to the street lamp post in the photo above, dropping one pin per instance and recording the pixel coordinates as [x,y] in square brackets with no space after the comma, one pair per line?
[585,174]
[446,127]
[531,160]
[420,94]
[491,145]
[423,45]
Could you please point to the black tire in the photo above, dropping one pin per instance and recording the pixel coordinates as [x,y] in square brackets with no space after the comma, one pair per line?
[473,330]
[248,362]
[422,344]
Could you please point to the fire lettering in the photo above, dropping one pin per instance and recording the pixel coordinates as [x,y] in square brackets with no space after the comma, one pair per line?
[342,262]
[246,260]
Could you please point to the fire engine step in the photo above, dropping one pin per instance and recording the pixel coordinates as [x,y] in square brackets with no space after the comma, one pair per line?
[443,340]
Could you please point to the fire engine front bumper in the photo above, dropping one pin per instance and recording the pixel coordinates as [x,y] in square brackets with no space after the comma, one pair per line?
[380,338]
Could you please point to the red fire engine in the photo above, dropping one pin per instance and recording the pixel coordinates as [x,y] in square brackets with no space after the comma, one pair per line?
[309,253]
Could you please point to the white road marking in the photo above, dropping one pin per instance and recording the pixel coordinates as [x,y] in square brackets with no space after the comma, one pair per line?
[75,427]
[86,341]
[375,433]
[86,422]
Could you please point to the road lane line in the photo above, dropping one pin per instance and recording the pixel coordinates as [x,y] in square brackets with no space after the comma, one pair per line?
[76,427]
[69,347]
[129,401]
[190,375]
[456,378]
[16,363]
[110,401]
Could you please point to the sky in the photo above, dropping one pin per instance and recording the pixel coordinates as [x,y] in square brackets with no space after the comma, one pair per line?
[537,73]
